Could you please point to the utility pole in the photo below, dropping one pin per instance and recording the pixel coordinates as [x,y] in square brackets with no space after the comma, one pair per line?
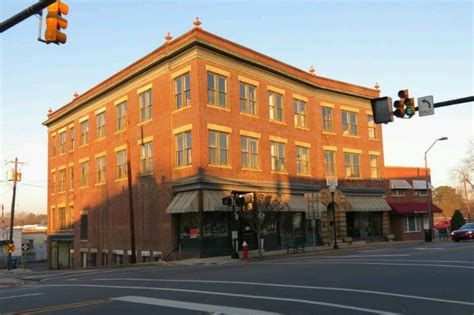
[12,214]
[133,258]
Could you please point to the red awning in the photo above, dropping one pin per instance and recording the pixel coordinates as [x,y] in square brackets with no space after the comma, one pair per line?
[412,208]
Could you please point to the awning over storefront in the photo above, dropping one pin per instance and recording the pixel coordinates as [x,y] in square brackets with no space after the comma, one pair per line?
[184,202]
[212,200]
[367,203]
[412,208]
[420,185]
[297,203]
[399,184]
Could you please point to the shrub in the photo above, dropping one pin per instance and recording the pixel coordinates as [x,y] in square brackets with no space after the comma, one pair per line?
[457,220]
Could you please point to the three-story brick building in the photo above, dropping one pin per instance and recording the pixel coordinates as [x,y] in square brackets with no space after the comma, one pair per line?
[199,118]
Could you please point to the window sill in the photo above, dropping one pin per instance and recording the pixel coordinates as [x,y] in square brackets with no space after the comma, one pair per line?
[61,192]
[280,172]
[353,178]
[99,184]
[84,241]
[226,109]
[249,115]
[351,136]
[61,154]
[304,175]
[397,196]
[145,174]
[84,145]
[121,179]
[302,128]
[178,168]
[277,122]
[83,187]
[70,151]
[71,190]
[251,169]
[181,109]
[220,166]
[374,139]
[119,131]
[100,139]
[411,232]
[329,133]
[145,122]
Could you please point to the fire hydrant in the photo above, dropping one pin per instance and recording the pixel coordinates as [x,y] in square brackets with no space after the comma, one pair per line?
[245,251]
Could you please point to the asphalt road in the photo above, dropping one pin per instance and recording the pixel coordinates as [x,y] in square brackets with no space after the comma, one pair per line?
[424,278]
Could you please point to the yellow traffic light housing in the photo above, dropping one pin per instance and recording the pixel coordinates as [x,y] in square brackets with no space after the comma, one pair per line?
[54,23]
[400,104]
[410,107]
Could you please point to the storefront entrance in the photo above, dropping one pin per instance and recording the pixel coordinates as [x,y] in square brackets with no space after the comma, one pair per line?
[364,225]
[61,255]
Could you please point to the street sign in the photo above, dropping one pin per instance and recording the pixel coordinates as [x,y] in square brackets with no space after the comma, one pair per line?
[426,105]
[10,248]
[25,247]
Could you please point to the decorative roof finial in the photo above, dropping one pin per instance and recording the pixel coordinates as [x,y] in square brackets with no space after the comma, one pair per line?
[197,23]
[312,70]
[50,111]
[377,86]
[168,37]
[75,94]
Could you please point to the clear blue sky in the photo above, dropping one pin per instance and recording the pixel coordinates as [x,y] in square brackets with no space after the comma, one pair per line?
[426,46]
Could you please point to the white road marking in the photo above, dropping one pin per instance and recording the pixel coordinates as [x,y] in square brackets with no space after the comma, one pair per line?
[398,260]
[365,263]
[257,297]
[371,256]
[19,296]
[373,250]
[192,306]
[428,248]
[415,297]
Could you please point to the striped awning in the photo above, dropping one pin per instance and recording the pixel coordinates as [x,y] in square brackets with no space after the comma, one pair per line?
[183,202]
[297,203]
[399,184]
[420,185]
[212,200]
[367,203]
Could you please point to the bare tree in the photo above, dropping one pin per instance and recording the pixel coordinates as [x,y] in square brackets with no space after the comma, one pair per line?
[257,213]
[464,172]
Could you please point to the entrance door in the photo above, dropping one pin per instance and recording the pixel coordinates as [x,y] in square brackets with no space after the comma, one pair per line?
[247,234]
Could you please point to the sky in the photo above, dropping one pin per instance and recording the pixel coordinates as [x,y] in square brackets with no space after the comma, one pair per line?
[423,46]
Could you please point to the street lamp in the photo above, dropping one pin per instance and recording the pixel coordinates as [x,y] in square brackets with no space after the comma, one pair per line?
[428,188]
[332,190]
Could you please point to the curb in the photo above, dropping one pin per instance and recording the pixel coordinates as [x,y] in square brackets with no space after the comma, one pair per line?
[9,283]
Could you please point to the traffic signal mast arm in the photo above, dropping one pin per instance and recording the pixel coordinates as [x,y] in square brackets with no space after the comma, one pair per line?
[453,102]
[23,15]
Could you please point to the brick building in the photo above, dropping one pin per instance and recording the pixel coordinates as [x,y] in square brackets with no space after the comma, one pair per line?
[408,198]
[199,118]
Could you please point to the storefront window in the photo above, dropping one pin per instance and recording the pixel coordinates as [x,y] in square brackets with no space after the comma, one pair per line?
[292,224]
[189,225]
[214,225]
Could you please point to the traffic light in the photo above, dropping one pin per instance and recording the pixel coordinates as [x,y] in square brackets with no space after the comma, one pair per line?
[410,107]
[382,110]
[54,23]
[400,104]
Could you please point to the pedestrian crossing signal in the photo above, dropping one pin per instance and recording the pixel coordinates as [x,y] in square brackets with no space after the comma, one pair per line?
[55,22]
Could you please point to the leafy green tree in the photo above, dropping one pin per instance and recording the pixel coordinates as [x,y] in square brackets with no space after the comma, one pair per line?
[457,220]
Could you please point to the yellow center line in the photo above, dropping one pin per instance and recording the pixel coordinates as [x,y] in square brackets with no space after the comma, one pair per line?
[62,307]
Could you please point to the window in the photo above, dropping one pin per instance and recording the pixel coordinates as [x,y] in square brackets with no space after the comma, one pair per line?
[275,102]
[398,192]
[248,99]
[352,164]
[62,218]
[327,119]
[121,164]
[62,142]
[71,218]
[146,106]
[53,182]
[146,158]
[374,166]
[84,169]
[72,138]
[121,111]
[101,125]
[84,132]
[84,227]
[412,223]
[249,148]
[100,161]
[53,219]
[372,127]
[277,152]
[420,193]
[182,91]
[330,163]
[183,148]
[62,180]
[71,177]
[53,146]
[349,123]
[299,113]
[218,148]
[216,90]
[302,160]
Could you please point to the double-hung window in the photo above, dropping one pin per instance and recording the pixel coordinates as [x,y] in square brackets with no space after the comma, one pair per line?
[275,102]
[183,148]
[146,158]
[217,90]
[349,123]
[62,142]
[302,160]
[121,111]
[146,106]
[299,108]
[277,153]
[330,163]
[101,125]
[327,119]
[372,127]
[53,146]
[412,223]
[121,170]
[182,91]
[352,164]
[62,218]
[53,182]
[84,132]
[72,138]
[374,166]
[84,170]
[71,177]
[100,161]
[249,148]
[218,148]
[248,99]
[62,180]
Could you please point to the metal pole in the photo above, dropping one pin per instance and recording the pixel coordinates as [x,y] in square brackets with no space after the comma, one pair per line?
[26,13]
[12,214]
[428,190]
[133,258]
[334,220]
[313,224]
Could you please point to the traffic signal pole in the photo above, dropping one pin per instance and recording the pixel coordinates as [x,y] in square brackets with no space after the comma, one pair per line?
[26,13]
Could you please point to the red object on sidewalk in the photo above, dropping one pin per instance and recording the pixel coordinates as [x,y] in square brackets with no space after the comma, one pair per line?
[245,251]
